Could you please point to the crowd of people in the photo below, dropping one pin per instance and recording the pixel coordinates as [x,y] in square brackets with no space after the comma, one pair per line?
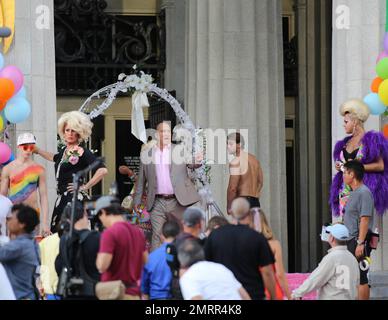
[99,253]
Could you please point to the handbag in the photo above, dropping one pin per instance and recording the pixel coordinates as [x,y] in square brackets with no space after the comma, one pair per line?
[110,290]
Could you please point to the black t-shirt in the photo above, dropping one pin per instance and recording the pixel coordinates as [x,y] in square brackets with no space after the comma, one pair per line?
[242,250]
[67,169]
[89,251]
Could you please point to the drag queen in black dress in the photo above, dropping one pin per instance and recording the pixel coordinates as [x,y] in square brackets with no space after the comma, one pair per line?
[74,128]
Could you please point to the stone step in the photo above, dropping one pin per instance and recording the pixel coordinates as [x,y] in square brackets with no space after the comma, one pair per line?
[379,285]
[378,278]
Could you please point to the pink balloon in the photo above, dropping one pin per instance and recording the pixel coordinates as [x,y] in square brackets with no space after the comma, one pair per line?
[382,55]
[13,73]
[5,153]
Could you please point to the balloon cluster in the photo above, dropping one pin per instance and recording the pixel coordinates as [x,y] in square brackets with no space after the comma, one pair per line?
[377,100]
[14,107]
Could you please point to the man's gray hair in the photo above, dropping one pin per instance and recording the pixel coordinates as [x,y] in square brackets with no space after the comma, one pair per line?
[190,252]
[240,208]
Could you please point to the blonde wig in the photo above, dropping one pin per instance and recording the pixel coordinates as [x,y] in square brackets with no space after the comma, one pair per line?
[77,121]
[357,110]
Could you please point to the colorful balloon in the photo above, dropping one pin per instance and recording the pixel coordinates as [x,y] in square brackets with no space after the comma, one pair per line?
[2,104]
[382,55]
[2,124]
[17,110]
[383,92]
[385,130]
[374,101]
[5,152]
[376,84]
[13,73]
[7,89]
[382,68]
[22,93]
[386,41]
[12,158]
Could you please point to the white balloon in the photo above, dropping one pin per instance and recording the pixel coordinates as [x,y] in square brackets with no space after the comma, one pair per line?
[5,208]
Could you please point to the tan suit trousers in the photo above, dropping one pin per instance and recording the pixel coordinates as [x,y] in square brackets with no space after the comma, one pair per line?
[162,211]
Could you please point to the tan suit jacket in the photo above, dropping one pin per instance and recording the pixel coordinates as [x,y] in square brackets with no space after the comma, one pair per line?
[184,189]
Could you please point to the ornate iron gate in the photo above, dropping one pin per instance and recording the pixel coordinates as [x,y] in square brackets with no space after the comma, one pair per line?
[92,47]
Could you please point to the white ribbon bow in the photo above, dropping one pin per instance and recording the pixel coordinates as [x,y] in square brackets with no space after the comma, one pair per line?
[139,101]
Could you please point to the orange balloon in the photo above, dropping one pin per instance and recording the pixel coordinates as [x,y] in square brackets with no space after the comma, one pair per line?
[2,104]
[385,131]
[376,84]
[7,89]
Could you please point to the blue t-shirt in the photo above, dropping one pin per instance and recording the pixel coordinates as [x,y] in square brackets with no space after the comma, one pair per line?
[20,260]
[157,276]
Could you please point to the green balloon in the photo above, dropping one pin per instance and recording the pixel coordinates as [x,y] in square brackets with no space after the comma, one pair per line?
[382,68]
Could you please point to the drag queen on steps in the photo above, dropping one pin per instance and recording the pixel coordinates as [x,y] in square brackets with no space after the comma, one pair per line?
[370,148]
[74,128]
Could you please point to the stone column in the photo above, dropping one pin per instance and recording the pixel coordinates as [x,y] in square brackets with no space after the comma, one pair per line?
[355,50]
[175,46]
[33,51]
[234,80]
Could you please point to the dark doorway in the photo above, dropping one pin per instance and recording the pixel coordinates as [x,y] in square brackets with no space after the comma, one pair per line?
[293,219]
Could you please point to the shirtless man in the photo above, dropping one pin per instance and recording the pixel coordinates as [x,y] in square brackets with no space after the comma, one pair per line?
[23,179]
[246,176]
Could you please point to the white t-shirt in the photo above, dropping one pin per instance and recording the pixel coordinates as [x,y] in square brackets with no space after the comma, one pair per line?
[5,208]
[6,292]
[212,281]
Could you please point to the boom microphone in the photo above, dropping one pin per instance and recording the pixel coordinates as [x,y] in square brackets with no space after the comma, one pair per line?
[90,167]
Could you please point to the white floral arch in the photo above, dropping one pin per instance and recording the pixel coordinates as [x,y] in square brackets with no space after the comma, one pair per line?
[138,87]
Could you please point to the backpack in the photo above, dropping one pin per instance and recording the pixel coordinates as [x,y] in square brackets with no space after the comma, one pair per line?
[173,263]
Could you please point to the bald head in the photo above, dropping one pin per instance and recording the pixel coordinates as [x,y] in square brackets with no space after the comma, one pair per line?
[240,208]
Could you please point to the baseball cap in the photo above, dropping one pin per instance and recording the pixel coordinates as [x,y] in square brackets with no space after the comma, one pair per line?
[192,216]
[26,138]
[338,231]
[105,202]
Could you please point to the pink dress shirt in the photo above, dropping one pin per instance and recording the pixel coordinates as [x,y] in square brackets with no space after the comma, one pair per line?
[162,166]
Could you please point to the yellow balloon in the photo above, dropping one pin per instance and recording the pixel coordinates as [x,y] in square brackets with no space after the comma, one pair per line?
[383,92]
[8,20]
[1,124]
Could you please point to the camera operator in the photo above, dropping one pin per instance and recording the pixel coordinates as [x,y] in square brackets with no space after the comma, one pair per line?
[122,248]
[79,253]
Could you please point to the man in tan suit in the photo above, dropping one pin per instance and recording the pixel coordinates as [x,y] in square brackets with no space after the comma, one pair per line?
[165,180]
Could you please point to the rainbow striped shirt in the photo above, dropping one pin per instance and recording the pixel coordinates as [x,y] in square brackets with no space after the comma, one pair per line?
[24,183]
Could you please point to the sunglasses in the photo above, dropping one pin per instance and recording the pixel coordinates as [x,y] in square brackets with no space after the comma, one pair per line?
[27,147]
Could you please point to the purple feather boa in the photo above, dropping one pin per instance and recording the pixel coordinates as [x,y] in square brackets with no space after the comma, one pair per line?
[375,146]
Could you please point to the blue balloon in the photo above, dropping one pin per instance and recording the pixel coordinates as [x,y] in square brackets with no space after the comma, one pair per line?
[17,110]
[22,93]
[375,104]
[1,61]
[10,159]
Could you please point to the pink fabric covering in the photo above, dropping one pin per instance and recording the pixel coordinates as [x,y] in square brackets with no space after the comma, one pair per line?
[294,282]
[162,165]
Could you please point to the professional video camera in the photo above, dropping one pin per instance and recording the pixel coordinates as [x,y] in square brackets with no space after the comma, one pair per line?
[74,280]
